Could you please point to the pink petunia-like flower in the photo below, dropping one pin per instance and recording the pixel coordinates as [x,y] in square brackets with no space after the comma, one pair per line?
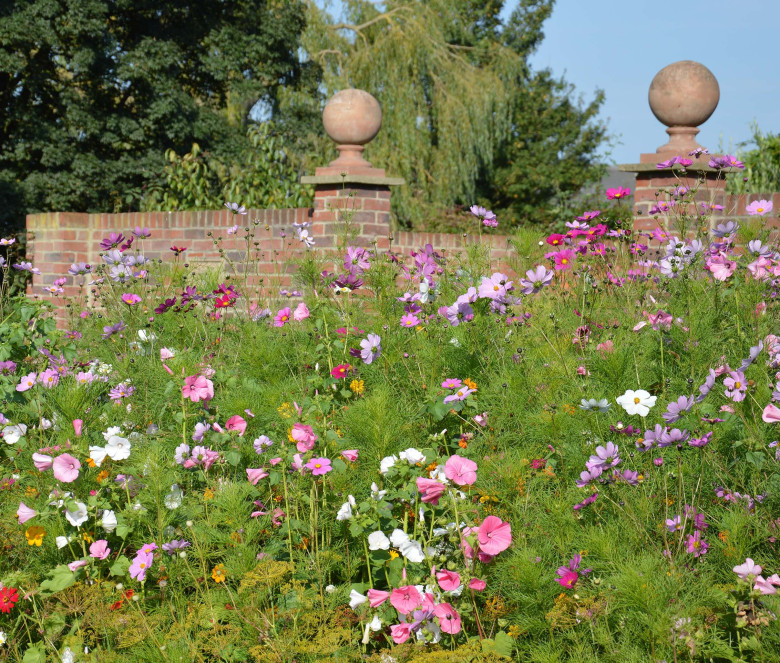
[494,535]
[254,475]
[460,471]
[431,490]
[477,584]
[42,462]
[301,312]
[400,633]
[304,437]
[405,599]
[449,619]
[771,414]
[759,208]
[75,566]
[377,597]
[78,426]
[282,317]
[99,549]
[25,513]
[319,466]
[350,454]
[448,580]
[198,388]
[236,423]
[748,568]
[66,468]
[130,299]
[721,267]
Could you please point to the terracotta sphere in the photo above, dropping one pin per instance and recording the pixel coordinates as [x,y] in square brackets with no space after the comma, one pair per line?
[352,117]
[684,94]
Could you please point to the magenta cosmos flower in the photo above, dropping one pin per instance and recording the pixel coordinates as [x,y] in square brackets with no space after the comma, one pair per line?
[66,468]
[405,599]
[319,466]
[494,535]
[341,371]
[617,194]
[304,437]
[460,471]
[198,388]
[130,299]
[282,317]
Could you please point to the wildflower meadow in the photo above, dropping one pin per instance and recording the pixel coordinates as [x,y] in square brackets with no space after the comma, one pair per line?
[567,454]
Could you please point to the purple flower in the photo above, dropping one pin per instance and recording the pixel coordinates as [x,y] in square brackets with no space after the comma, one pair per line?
[650,438]
[488,218]
[79,268]
[736,386]
[461,395]
[726,229]
[709,383]
[142,233]
[701,441]
[674,524]
[261,443]
[536,279]
[110,330]
[236,208]
[727,161]
[752,355]
[176,544]
[371,348]
[696,545]
[26,267]
[356,259]
[459,312]
[676,410]
[589,475]
[586,502]
[495,287]
[673,436]
[182,453]
[122,390]
[606,457]
[200,431]
[112,241]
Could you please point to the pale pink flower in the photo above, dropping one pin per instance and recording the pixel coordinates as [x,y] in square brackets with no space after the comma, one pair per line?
[66,468]
[301,312]
[494,535]
[99,549]
[198,388]
[405,599]
[377,597]
[721,267]
[400,632]
[747,569]
[25,513]
[42,462]
[236,423]
[448,580]
[254,475]
[304,437]
[771,414]
[165,353]
[27,382]
[759,208]
[78,426]
[75,566]
[350,454]
[461,471]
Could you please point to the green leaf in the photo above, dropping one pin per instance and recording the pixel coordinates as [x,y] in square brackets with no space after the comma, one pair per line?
[59,578]
[120,567]
[233,457]
[35,654]
[755,458]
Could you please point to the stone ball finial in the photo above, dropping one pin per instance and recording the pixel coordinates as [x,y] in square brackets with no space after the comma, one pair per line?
[352,118]
[682,96]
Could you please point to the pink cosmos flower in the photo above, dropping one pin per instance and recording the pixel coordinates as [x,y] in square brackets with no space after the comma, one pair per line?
[255,474]
[449,619]
[494,535]
[297,463]
[140,566]
[78,426]
[377,597]
[568,579]
[431,490]
[477,584]
[282,317]
[400,632]
[75,566]
[409,320]
[448,580]
[236,423]
[341,371]
[617,194]
[198,388]
[721,267]
[42,462]
[27,382]
[564,259]
[405,599]
[759,208]
[25,513]
[130,299]
[461,471]
[350,454]
[66,468]
[304,436]
[605,348]
[660,320]
[319,466]
[301,312]
[771,414]
[165,353]
[452,383]
[99,549]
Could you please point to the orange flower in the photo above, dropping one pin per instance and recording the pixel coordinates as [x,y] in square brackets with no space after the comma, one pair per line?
[218,573]
[470,383]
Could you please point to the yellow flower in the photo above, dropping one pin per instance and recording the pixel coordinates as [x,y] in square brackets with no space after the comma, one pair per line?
[91,462]
[393,553]
[208,494]
[357,386]
[285,410]
[87,537]
[31,491]
[34,535]
[236,537]
[218,574]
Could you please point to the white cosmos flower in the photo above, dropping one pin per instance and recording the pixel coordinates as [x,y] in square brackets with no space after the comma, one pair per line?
[636,402]
[356,598]
[67,655]
[345,512]
[147,336]
[3,638]
[386,463]
[118,448]
[109,520]
[378,541]
[12,434]
[98,454]
[78,517]
[173,499]
[330,589]
[113,430]
[412,456]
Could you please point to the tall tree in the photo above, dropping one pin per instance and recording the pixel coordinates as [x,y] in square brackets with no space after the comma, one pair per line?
[464,116]
[93,92]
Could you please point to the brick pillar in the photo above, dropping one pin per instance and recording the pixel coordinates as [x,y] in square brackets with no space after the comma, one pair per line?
[351,197]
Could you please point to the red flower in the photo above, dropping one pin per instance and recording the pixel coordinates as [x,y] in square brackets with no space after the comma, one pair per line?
[223,302]
[341,371]
[178,250]
[8,598]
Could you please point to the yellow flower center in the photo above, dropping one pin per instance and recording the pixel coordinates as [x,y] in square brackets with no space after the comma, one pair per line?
[737,385]
[565,261]
[317,465]
[636,401]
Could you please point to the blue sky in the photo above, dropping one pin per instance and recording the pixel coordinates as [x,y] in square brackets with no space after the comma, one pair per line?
[618,46]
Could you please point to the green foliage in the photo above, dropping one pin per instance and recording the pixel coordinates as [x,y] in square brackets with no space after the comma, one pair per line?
[762,165]
[93,92]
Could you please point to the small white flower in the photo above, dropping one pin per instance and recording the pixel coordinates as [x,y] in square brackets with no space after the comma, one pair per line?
[412,456]
[63,541]
[375,624]
[145,336]
[3,638]
[386,463]
[454,341]
[412,550]
[105,369]
[67,655]
[98,454]
[113,430]
[108,522]
[78,517]
[376,493]
[330,589]
[356,598]
[118,448]
[378,541]
[637,402]
[174,498]
[345,512]
[46,424]
[12,434]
